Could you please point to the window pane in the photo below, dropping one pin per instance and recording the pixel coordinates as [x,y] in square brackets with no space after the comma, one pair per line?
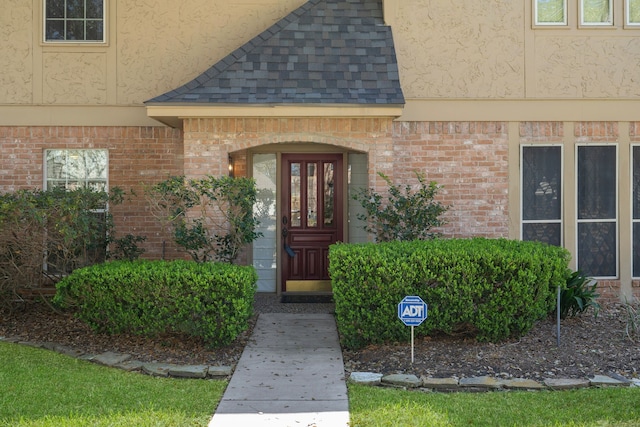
[597,182]
[633,11]
[636,249]
[75,8]
[295,195]
[94,9]
[328,195]
[55,8]
[94,31]
[549,233]
[265,247]
[95,164]
[541,189]
[312,195]
[597,249]
[55,30]
[550,12]
[636,183]
[596,12]
[75,30]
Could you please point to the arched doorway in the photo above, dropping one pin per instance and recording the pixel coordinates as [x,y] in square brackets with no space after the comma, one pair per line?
[303,207]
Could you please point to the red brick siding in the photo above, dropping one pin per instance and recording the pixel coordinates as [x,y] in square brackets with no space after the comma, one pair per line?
[470,161]
[138,156]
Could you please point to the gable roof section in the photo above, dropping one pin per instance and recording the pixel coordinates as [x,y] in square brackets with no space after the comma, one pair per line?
[327,52]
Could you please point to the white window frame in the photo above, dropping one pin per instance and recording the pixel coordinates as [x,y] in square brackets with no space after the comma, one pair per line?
[607,23]
[64,41]
[627,14]
[561,185]
[633,220]
[617,204]
[538,23]
[69,154]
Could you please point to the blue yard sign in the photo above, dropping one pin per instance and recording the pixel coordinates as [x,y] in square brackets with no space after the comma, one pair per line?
[412,311]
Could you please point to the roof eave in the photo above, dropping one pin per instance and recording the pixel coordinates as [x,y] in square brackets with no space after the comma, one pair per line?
[173,114]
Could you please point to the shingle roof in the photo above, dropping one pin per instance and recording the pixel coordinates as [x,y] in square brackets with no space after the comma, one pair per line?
[325,52]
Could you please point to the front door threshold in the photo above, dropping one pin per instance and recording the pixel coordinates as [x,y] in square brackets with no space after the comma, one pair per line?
[308,286]
[317,297]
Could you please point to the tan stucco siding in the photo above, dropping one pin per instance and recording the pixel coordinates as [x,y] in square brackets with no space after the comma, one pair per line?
[74,78]
[488,49]
[16,51]
[188,37]
[587,67]
[471,49]
[151,47]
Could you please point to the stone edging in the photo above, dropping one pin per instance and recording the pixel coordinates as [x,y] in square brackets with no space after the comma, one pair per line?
[127,363]
[405,381]
[486,383]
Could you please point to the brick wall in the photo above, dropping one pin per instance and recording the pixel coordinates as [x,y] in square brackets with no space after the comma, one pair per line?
[137,156]
[468,158]
[470,161]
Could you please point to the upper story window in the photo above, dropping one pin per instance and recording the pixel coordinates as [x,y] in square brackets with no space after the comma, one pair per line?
[74,20]
[596,12]
[550,12]
[632,13]
[590,14]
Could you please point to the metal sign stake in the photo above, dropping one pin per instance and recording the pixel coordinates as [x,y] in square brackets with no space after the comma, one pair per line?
[412,311]
[412,347]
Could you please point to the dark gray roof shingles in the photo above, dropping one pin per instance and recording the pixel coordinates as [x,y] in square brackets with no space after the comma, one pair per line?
[325,52]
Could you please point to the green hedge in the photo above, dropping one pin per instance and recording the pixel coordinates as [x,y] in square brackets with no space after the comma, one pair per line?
[209,300]
[493,289]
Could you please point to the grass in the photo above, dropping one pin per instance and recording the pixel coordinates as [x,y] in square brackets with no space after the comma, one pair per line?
[46,389]
[606,407]
[43,388]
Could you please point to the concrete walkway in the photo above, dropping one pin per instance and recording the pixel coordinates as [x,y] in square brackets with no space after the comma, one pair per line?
[290,374]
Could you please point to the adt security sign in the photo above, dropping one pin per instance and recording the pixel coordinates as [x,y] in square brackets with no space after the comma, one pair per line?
[412,310]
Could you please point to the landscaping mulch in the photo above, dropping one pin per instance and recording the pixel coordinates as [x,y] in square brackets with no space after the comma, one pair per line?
[589,345]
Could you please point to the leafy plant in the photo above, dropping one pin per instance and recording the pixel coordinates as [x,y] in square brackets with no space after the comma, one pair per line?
[213,301]
[125,247]
[406,214]
[578,295]
[491,289]
[211,218]
[632,328]
[44,235]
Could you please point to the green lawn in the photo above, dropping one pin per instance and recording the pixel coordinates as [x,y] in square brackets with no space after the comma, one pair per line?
[43,388]
[376,407]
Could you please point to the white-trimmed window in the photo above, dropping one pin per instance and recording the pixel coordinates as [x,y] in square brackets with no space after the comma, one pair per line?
[550,12]
[632,13]
[74,21]
[541,193]
[596,12]
[597,209]
[71,169]
[635,210]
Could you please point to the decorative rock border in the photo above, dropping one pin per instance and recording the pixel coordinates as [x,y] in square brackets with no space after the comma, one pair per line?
[406,381]
[124,361]
[486,383]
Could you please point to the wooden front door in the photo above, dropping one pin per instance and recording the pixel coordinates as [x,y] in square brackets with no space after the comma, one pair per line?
[312,206]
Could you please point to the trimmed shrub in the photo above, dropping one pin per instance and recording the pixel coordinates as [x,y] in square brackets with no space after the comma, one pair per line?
[491,289]
[213,301]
